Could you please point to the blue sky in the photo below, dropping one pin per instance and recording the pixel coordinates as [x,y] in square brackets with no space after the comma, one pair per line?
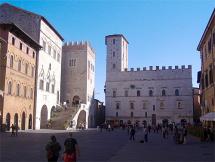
[160,32]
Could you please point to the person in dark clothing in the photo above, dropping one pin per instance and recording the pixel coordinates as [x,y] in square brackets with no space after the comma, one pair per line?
[13,130]
[71,149]
[53,148]
[132,133]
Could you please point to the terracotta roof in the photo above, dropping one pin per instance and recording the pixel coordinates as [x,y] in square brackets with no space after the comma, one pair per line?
[43,18]
[206,29]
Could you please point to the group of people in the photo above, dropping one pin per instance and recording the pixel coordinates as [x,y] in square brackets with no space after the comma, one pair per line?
[71,149]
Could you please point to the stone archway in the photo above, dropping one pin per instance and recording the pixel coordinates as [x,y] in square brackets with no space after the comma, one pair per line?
[16,120]
[81,122]
[44,117]
[30,122]
[8,121]
[76,100]
[23,121]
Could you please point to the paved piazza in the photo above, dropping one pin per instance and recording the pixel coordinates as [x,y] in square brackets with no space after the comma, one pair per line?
[106,146]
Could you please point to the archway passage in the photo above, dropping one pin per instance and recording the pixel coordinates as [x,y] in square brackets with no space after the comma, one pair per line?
[44,117]
[8,121]
[30,122]
[76,100]
[23,121]
[81,123]
[16,119]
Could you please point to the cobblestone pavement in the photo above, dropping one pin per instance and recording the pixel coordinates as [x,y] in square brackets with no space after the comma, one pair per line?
[105,146]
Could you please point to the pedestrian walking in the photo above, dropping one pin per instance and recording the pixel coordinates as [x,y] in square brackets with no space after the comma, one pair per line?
[146,131]
[184,135]
[53,148]
[132,134]
[71,149]
[13,130]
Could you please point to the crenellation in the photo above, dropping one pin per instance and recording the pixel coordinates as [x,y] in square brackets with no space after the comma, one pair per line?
[138,69]
[144,69]
[163,68]
[150,67]
[176,67]
[157,67]
[170,67]
[183,67]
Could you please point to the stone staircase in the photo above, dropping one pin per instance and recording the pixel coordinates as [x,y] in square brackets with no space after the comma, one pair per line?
[61,119]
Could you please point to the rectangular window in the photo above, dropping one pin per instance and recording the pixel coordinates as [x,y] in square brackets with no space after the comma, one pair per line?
[44,45]
[58,57]
[131,105]
[53,87]
[49,50]
[179,105]
[54,54]
[27,50]
[13,41]
[114,41]
[20,46]
[209,45]
[117,105]
[32,71]
[70,62]
[25,92]
[114,93]
[31,96]
[26,68]
[145,114]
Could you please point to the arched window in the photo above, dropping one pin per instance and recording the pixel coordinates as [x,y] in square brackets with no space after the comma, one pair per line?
[41,84]
[31,95]
[138,93]
[177,92]
[11,61]
[26,68]
[163,92]
[150,93]
[10,88]
[25,91]
[19,65]
[18,90]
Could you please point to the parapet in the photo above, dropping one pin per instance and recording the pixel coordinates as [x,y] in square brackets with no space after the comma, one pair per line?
[157,68]
[78,44]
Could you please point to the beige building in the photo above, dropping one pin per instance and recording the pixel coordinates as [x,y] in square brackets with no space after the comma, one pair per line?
[78,78]
[207,77]
[17,76]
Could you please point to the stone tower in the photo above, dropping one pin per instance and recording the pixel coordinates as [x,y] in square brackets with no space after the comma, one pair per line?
[78,73]
[117,54]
